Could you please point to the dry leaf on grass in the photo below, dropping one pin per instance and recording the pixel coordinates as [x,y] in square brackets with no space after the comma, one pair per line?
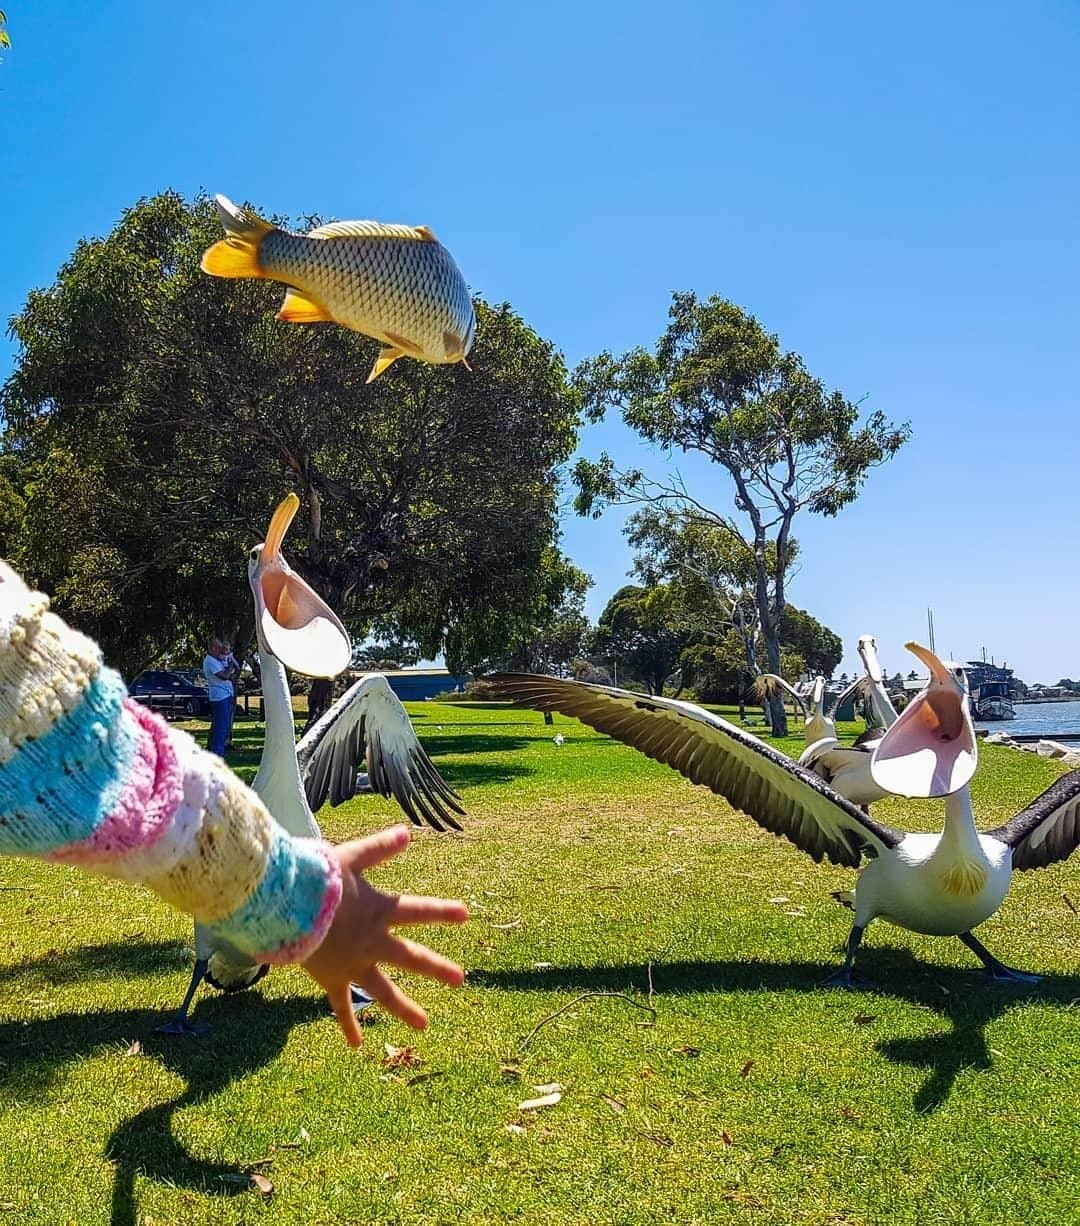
[779,901]
[726,1138]
[506,927]
[864,1019]
[135,1049]
[688,1050]
[658,1138]
[421,1077]
[510,1072]
[616,1106]
[400,1057]
[536,1104]
[515,1129]
[745,1070]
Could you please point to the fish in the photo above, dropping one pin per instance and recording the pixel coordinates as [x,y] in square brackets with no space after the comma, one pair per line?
[397,284]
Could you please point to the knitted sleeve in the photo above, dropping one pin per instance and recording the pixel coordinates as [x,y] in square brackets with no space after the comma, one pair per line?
[89,777]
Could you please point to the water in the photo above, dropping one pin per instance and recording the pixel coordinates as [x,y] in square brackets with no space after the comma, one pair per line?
[1049,719]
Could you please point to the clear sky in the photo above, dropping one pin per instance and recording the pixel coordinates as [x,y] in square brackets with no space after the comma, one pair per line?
[894,189]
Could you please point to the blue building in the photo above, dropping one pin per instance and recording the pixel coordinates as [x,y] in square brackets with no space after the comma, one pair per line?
[416,684]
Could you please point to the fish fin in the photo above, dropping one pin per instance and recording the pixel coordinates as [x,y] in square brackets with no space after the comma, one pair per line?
[453,345]
[372,229]
[237,254]
[298,308]
[386,358]
[404,344]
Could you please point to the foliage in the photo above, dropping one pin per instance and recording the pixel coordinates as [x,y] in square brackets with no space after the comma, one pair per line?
[5,38]
[718,384]
[157,415]
[539,633]
[638,630]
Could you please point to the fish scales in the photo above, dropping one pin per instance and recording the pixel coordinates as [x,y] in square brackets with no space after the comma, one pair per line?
[395,283]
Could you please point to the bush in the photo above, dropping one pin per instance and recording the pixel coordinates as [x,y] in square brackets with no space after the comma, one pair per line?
[475,691]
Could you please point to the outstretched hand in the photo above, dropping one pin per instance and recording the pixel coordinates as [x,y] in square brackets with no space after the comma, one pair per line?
[360,937]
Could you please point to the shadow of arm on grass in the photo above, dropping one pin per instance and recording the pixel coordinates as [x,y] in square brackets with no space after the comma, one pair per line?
[962,997]
[248,1032]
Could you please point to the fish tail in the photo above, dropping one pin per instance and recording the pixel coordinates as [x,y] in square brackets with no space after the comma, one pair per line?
[237,254]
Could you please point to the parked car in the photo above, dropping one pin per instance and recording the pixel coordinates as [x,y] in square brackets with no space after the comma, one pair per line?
[171,693]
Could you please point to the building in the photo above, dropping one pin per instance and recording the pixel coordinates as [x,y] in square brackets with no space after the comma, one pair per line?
[416,684]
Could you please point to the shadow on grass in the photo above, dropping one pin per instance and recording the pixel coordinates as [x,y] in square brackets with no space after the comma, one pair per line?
[128,959]
[248,1032]
[473,744]
[477,774]
[964,998]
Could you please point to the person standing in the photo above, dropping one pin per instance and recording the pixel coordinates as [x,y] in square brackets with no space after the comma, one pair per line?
[220,670]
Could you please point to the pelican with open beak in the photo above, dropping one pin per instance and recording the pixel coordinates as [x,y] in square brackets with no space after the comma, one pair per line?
[942,884]
[297,629]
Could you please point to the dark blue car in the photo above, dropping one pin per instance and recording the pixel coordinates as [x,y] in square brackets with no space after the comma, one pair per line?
[171,693]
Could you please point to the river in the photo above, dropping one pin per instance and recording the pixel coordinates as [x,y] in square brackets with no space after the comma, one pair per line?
[1049,719]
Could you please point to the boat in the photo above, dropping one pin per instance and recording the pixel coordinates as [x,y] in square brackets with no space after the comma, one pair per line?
[991,689]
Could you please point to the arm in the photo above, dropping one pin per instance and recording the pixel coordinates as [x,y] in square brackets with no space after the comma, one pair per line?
[88,777]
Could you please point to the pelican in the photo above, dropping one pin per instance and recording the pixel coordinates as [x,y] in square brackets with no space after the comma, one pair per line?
[942,884]
[296,628]
[846,768]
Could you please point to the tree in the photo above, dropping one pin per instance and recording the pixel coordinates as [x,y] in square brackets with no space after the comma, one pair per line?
[540,635]
[157,415]
[718,384]
[819,649]
[637,630]
[5,38]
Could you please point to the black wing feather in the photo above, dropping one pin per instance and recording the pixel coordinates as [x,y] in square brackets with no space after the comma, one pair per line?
[1048,830]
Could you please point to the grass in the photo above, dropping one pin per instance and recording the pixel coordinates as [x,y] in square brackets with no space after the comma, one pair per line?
[752,1096]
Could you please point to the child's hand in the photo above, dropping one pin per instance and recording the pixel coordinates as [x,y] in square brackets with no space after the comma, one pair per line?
[360,937]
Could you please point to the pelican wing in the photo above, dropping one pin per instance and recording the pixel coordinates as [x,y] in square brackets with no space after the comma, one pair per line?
[768,684]
[1048,830]
[368,721]
[776,792]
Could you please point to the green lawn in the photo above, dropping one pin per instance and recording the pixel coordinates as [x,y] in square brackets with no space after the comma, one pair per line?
[752,1096]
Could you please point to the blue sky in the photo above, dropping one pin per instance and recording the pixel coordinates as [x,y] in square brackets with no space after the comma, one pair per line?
[895,190]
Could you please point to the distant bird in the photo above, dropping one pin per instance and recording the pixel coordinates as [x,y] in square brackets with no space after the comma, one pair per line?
[943,884]
[846,768]
[397,284]
[558,738]
[295,627]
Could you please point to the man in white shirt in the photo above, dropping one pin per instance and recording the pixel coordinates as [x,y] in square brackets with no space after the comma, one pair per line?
[220,670]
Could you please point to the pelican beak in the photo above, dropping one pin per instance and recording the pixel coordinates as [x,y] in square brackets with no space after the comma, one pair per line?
[298,626]
[817,695]
[931,749]
[868,654]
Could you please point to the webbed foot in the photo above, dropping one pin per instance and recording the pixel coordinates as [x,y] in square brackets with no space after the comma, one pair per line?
[183,1026]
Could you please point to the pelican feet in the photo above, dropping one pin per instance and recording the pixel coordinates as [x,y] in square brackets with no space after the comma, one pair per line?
[996,972]
[184,1026]
[1005,974]
[845,977]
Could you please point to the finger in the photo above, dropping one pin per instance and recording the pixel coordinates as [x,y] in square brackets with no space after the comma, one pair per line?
[412,956]
[418,909]
[341,1002]
[393,999]
[365,853]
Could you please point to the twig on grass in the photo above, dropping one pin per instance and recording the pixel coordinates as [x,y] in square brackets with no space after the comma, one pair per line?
[577,1001]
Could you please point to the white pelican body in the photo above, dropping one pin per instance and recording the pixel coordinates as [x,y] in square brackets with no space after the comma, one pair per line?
[294,625]
[942,885]
[931,883]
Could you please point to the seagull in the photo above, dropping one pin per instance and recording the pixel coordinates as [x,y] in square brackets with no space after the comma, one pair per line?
[297,629]
[846,768]
[942,884]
